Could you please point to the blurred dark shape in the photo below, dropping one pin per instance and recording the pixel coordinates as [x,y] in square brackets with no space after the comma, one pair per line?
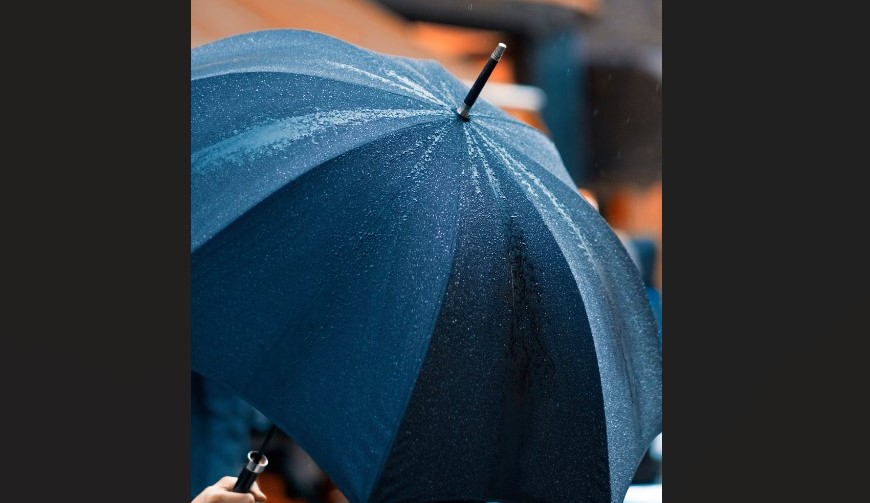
[646,258]
[220,432]
[302,478]
[647,472]
[644,254]
[624,123]
[622,51]
[624,30]
[517,16]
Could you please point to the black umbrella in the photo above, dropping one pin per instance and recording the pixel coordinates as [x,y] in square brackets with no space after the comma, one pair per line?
[424,303]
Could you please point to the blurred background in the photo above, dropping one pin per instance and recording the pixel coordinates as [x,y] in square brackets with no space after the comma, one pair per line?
[587,73]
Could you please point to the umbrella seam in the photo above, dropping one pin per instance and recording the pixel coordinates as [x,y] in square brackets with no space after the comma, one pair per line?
[433,324]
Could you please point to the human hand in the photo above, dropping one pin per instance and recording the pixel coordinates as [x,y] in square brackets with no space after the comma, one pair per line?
[222,492]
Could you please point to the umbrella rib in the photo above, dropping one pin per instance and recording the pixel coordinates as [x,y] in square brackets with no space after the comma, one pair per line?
[490,175]
[409,85]
[569,182]
[424,94]
[425,79]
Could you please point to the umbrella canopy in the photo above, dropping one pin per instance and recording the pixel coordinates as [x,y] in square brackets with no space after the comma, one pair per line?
[425,304]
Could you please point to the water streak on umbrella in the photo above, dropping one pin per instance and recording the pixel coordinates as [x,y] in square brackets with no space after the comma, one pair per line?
[279,135]
[476,153]
[410,87]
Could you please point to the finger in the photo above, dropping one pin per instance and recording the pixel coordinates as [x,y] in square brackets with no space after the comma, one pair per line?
[258,494]
[238,498]
[215,494]
[231,497]
[226,483]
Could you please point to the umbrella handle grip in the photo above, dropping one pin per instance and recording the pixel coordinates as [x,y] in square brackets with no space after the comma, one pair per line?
[255,466]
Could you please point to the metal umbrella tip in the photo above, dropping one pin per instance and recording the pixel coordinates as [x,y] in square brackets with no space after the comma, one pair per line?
[499,50]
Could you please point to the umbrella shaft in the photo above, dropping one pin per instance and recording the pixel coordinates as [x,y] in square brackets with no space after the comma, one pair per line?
[256,464]
[245,481]
[472,95]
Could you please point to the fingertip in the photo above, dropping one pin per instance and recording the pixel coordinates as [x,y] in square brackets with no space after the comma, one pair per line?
[258,492]
[260,495]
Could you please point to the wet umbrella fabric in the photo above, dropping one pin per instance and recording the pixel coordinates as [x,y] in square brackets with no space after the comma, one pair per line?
[426,305]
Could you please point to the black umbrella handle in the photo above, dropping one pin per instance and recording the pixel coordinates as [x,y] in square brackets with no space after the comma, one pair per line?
[256,464]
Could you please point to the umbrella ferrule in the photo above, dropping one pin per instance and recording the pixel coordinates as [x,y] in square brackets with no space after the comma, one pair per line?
[498,51]
[463,111]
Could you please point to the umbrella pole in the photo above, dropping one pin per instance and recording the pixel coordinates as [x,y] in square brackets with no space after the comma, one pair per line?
[471,97]
[257,462]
